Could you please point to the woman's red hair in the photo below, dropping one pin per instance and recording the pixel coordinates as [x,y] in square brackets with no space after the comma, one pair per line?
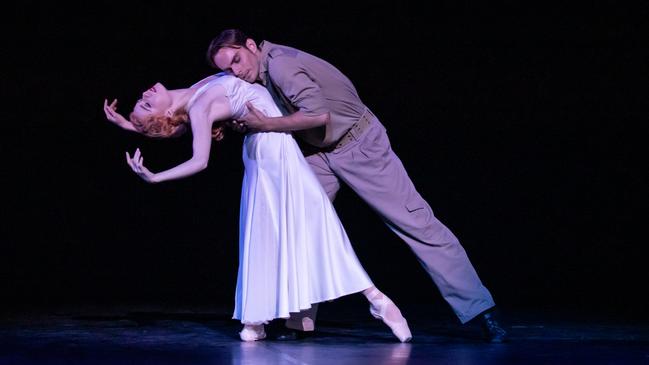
[163,126]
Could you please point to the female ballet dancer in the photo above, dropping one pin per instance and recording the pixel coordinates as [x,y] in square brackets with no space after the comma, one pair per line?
[293,250]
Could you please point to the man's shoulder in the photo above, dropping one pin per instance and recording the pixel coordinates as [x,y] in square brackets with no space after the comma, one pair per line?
[281,60]
[279,51]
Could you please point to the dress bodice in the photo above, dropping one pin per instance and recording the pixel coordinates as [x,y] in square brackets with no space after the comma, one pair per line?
[240,92]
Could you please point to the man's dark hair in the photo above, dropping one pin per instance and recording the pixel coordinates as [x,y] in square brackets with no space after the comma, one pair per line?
[228,38]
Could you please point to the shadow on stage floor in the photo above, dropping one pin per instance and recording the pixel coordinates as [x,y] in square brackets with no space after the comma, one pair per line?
[157,335]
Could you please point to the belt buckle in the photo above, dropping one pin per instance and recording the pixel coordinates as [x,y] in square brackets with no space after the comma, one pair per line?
[358,127]
[345,139]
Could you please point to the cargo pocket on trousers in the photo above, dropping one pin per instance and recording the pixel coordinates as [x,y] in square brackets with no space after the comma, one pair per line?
[414,206]
[419,221]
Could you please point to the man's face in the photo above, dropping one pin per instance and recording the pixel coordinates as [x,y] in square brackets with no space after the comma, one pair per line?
[242,62]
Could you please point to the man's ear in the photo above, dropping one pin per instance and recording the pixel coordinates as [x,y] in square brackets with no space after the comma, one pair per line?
[251,45]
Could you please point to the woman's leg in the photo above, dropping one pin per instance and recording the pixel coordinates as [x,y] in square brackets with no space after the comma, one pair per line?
[383,308]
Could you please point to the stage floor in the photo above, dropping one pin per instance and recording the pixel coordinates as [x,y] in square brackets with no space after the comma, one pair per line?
[156,335]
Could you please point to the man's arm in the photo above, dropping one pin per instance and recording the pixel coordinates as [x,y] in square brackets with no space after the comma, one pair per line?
[256,120]
[292,77]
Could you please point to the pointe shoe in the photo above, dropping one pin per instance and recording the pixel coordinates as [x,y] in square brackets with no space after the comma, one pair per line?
[398,327]
[249,333]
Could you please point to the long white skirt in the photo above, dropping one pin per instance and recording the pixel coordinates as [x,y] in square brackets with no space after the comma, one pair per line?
[293,250]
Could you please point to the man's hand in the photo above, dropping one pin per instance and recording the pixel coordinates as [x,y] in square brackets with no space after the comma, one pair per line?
[255,120]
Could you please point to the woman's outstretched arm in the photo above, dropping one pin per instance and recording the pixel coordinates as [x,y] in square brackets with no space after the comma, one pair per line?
[212,106]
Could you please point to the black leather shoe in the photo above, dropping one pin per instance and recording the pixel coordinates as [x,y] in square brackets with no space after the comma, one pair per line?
[493,332]
[288,334]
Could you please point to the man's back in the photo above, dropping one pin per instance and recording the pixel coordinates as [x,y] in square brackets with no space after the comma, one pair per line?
[314,86]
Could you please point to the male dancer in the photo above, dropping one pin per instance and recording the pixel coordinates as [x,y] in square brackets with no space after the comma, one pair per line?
[352,146]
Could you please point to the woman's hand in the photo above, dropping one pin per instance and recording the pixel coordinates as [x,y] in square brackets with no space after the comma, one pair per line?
[137,164]
[218,133]
[113,116]
[237,126]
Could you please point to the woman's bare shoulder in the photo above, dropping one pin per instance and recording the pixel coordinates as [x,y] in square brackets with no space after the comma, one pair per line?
[212,104]
[213,94]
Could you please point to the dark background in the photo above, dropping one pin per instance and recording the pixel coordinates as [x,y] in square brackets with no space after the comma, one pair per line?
[523,126]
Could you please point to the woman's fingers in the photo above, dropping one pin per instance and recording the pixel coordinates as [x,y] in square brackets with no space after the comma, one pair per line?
[109,114]
[238,126]
[111,110]
[139,159]
[137,164]
[130,162]
[110,107]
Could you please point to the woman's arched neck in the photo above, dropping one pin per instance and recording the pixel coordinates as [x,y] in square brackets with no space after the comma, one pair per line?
[180,97]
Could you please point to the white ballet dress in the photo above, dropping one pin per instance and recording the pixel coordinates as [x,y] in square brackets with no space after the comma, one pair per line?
[293,250]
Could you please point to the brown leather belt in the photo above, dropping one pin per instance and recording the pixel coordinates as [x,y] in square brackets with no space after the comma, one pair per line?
[357,129]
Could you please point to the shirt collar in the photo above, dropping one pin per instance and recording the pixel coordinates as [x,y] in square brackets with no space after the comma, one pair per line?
[264,47]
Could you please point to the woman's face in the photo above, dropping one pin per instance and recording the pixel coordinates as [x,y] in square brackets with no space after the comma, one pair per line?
[155,101]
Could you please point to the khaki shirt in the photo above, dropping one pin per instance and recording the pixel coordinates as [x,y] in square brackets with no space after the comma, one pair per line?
[313,86]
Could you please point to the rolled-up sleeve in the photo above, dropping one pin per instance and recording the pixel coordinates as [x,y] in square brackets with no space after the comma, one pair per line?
[290,76]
